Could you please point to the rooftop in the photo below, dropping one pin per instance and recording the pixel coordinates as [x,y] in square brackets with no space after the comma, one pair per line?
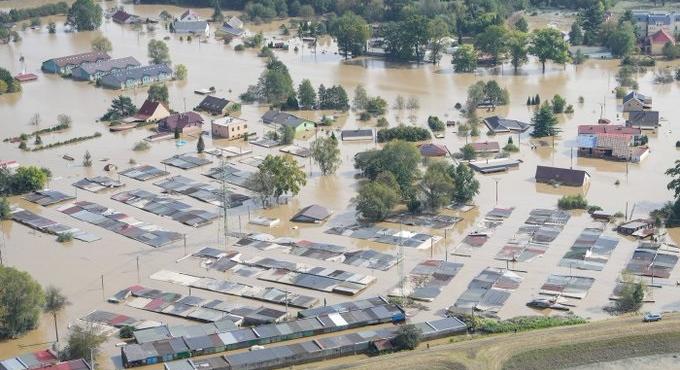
[88,57]
[564,176]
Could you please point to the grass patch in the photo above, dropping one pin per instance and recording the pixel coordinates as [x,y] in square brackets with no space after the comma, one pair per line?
[571,355]
[520,323]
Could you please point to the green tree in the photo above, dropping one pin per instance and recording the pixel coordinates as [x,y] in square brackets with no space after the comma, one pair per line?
[86,15]
[376,106]
[468,152]
[21,301]
[575,34]
[631,296]
[121,107]
[375,201]
[408,38]
[181,72]
[622,41]
[437,30]
[590,18]
[466,186]
[102,44]
[492,42]
[306,94]
[158,52]
[548,44]
[217,15]
[407,338]
[351,32]
[200,145]
[5,210]
[436,185]
[287,135]
[670,51]
[52,27]
[285,174]
[87,159]
[464,59]
[326,154]
[27,179]
[558,104]
[83,342]
[360,100]
[275,84]
[158,92]
[517,47]
[399,158]
[333,98]
[55,302]
[522,25]
[674,184]
[545,122]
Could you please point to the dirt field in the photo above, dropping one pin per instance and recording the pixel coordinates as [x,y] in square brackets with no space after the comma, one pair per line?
[563,347]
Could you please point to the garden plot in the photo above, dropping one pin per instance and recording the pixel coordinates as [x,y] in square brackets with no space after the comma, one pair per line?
[479,237]
[386,236]
[144,173]
[231,175]
[204,192]
[433,221]
[97,184]
[567,286]
[590,251]
[653,259]
[426,281]
[46,225]
[120,223]
[186,161]
[266,294]
[488,291]
[165,207]
[47,197]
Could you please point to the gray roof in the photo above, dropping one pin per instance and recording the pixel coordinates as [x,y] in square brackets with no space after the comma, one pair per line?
[282,118]
[213,104]
[119,77]
[498,124]
[356,133]
[313,213]
[108,65]
[648,118]
[189,26]
[564,176]
[78,59]
[635,95]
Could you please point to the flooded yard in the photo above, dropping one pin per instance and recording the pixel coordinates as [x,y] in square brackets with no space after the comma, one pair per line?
[82,269]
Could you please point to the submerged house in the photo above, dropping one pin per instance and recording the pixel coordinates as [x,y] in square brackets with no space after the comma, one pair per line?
[658,40]
[610,142]
[229,128]
[644,120]
[97,70]
[433,150]
[138,76]
[499,125]
[152,111]
[182,122]
[486,147]
[312,214]
[190,23]
[356,135]
[216,106]
[561,176]
[232,28]
[123,17]
[635,102]
[286,119]
[65,65]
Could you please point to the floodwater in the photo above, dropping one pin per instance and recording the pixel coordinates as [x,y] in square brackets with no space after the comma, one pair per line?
[79,268]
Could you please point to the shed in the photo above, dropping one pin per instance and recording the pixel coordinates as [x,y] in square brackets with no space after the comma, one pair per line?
[503,125]
[356,135]
[632,226]
[312,214]
[562,176]
[433,150]
[286,119]
[486,147]
[214,105]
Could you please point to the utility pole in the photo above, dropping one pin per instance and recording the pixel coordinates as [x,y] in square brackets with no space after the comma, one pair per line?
[103,297]
[139,276]
[225,200]
[497,180]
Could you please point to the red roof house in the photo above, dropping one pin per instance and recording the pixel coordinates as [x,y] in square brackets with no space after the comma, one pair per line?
[658,40]
[181,121]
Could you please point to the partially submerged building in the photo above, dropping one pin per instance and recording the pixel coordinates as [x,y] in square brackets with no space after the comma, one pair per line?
[216,106]
[500,125]
[433,150]
[123,17]
[644,120]
[357,135]
[152,111]
[138,76]
[611,142]
[650,22]
[97,70]
[229,128]
[190,23]
[561,176]
[182,122]
[231,28]
[486,147]
[313,214]
[634,102]
[286,119]
[656,42]
[64,65]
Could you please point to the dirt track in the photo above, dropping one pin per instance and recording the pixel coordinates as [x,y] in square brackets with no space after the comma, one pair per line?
[492,352]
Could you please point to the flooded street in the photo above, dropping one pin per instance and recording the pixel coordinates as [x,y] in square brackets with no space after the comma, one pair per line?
[79,268]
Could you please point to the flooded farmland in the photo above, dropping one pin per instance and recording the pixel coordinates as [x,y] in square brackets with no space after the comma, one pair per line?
[82,269]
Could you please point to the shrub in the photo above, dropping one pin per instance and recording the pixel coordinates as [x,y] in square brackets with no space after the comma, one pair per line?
[407,338]
[126,332]
[558,104]
[140,146]
[523,323]
[569,109]
[572,202]
[364,116]
[435,123]
[401,132]
[239,47]
[64,237]
[620,92]
[382,122]
[468,152]
[511,148]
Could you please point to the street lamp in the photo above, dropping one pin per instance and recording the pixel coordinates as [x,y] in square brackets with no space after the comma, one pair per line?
[496,180]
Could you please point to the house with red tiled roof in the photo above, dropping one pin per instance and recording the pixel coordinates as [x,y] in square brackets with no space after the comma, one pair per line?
[658,40]
[181,122]
[152,111]
[610,142]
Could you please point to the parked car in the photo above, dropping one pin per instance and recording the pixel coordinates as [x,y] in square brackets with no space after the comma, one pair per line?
[651,316]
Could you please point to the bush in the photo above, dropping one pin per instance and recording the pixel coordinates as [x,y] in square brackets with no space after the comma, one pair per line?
[620,92]
[239,47]
[435,123]
[511,148]
[572,202]
[569,109]
[523,323]
[364,116]
[401,132]
[631,295]
[4,209]
[468,152]
[558,104]
[65,237]
[407,338]
[126,332]
[140,146]
[382,122]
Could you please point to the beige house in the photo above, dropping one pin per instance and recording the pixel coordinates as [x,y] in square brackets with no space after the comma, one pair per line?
[152,111]
[229,128]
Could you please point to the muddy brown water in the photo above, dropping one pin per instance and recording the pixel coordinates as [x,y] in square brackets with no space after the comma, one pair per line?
[77,267]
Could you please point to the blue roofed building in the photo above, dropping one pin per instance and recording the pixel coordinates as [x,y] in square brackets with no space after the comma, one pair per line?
[64,65]
[97,70]
[138,76]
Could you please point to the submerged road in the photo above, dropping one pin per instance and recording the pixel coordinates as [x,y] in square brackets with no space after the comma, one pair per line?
[491,352]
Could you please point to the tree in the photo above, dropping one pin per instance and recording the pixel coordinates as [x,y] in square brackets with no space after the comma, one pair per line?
[435,124]
[102,44]
[333,98]
[376,106]
[64,120]
[674,184]
[437,30]
[376,200]
[522,25]
[181,72]
[158,92]
[351,32]
[622,41]
[287,135]
[306,11]
[121,107]
[466,186]
[158,52]
[285,174]
[492,41]
[590,18]
[200,145]
[464,59]
[326,154]
[27,179]
[55,302]
[436,185]
[87,159]
[575,34]
[360,100]
[517,47]
[306,94]
[670,51]
[545,122]
[400,158]
[548,44]
[407,338]
[631,296]
[52,27]
[407,39]
[21,301]
[83,342]
[468,152]
[217,15]
[558,104]
[262,184]
[5,210]
[86,15]
[35,120]
[274,85]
